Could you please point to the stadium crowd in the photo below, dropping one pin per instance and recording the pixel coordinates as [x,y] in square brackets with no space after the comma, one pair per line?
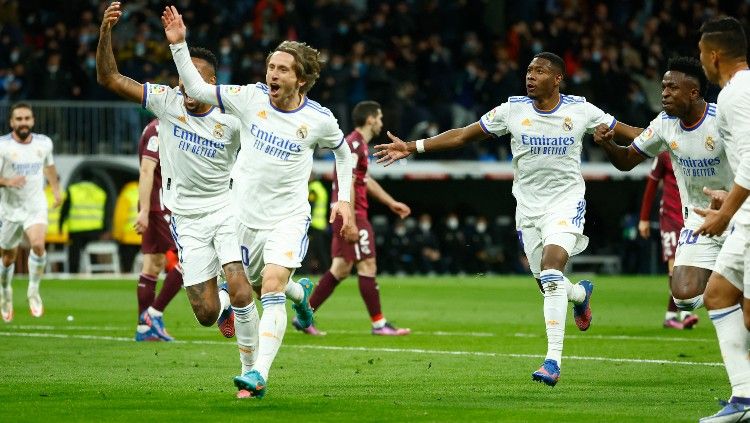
[429,70]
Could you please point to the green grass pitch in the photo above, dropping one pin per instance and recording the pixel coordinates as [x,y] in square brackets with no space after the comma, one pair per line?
[476,341]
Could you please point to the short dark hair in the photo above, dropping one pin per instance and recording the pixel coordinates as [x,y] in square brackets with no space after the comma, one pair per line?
[19,105]
[727,34]
[557,61]
[205,54]
[363,110]
[691,67]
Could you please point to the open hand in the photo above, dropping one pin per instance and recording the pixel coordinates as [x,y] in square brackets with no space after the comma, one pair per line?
[174,28]
[715,224]
[111,16]
[389,153]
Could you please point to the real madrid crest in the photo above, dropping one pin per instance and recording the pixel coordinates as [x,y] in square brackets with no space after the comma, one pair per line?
[218,131]
[710,144]
[302,132]
[568,124]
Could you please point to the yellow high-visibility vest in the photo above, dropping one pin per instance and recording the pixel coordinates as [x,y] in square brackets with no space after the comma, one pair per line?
[318,196]
[54,234]
[87,202]
[126,213]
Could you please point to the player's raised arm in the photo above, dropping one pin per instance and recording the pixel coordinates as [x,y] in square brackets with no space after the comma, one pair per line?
[195,86]
[106,67]
[448,140]
[623,158]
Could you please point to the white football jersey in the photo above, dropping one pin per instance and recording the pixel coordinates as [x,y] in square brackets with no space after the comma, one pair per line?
[275,162]
[734,127]
[546,147]
[29,160]
[196,152]
[698,157]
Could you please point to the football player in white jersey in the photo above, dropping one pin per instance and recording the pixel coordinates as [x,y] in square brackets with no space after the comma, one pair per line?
[546,131]
[281,129]
[723,53]
[687,128]
[25,161]
[198,145]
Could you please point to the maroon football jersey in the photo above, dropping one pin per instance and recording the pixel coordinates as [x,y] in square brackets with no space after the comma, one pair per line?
[359,150]
[671,206]
[148,146]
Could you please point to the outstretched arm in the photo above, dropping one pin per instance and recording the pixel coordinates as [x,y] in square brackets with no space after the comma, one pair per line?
[106,66]
[195,86]
[623,158]
[448,140]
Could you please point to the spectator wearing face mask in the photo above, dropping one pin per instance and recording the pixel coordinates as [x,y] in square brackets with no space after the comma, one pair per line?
[453,242]
[427,247]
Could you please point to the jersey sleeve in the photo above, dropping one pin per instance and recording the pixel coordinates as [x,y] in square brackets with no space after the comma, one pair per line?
[739,121]
[331,135]
[233,99]
[150,141]
[651,141]
[495,122]
[156,97]
[596,116]
[48,159]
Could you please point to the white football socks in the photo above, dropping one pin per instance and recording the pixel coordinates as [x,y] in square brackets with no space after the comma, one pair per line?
[271,330]
[246,331]
[36,265]
[555,311]
[294,291]
[734,342]
[6,274]
[576,293]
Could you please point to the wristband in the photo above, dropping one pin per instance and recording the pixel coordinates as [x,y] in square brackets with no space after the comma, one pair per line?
[420,146]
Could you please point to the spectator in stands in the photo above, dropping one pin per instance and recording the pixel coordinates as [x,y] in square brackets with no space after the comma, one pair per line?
[453,244]
[428,256]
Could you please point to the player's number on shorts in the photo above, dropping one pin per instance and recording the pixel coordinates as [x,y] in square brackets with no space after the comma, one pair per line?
[687,236]
[364,241]
[245,253]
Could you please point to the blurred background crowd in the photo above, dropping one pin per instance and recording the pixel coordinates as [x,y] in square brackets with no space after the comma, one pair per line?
[432,64]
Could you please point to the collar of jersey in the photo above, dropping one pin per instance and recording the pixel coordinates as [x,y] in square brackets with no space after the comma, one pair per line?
[201,114]
[546,112]
[697,124]
[304,102]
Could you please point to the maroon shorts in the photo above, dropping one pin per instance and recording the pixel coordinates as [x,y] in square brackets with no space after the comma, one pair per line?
[670,234]
[158,238]
[362,249]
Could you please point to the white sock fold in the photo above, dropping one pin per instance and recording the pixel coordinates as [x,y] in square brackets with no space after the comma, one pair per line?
[224,301]
[154,312]
[690,303]
[246,322]
[555,311]
[37,265]
[734,342]
[294,291]
[271,330]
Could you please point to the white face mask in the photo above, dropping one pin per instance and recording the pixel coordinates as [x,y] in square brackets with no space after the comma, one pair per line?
[481,227]
[425,226]
[401,231]
[452,223]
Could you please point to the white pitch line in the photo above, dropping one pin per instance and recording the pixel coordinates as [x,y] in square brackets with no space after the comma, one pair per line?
[333,331]
[377,349]
[623,338]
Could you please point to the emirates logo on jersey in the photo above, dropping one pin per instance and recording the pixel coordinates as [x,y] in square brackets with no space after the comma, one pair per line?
[218,131]
[568,124]
[710,144]
[302,132]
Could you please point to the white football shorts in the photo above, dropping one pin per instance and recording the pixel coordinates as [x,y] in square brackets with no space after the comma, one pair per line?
[698,251]
[205,242]
[537,231]
[285,245]
[730,262]
[11,233]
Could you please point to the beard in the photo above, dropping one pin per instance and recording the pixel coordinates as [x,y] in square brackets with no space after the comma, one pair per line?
[22,132]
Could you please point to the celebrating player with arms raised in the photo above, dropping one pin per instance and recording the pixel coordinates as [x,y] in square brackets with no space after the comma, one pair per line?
[281,127]
[546,131]
[198,146]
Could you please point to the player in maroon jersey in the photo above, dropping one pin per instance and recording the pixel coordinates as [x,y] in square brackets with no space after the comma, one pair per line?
[367,117]
[153,225]
[670,224]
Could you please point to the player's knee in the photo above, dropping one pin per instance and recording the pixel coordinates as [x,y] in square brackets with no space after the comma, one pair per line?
[685,291]
[240,295]
[206,316]
[367,267]
[38,248]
